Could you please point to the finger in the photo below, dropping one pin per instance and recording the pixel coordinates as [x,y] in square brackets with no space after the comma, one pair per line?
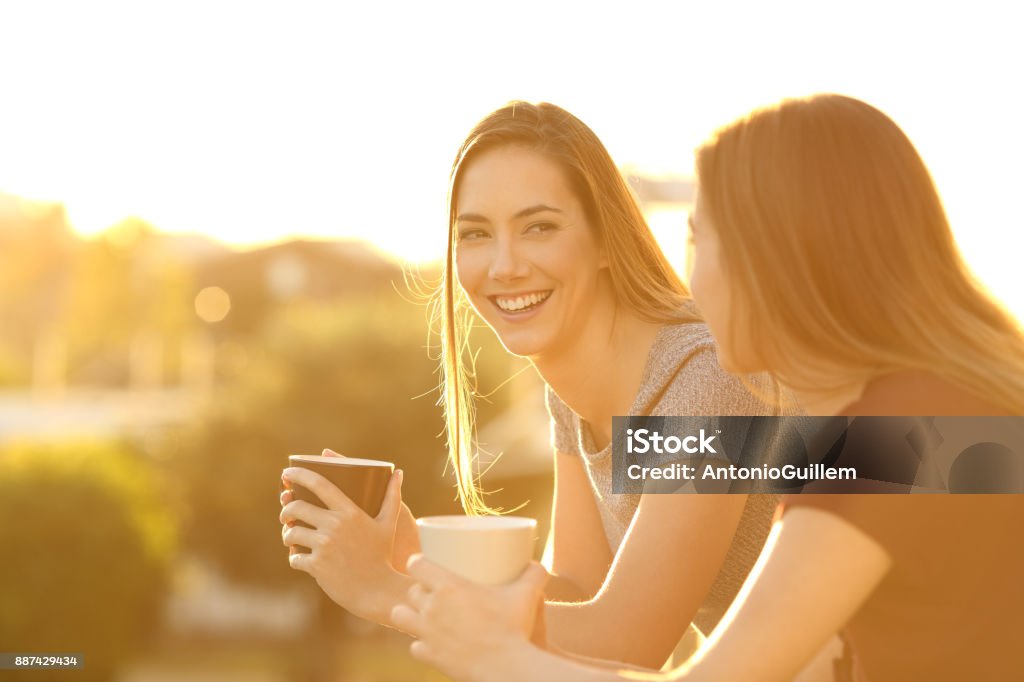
[417,596]
[422,652]
[331,453]
[407,620]
[301,562]
[328,493]
[300,510]
[299,535]
[391,507]
[286,497]
[430,574]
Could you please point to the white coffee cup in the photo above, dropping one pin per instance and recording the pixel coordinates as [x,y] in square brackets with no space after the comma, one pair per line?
[492,550]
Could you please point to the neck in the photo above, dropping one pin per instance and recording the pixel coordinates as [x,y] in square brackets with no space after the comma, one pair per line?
[599,375]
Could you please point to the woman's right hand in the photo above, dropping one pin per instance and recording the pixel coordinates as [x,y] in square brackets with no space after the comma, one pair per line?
[351,552]
[407,536]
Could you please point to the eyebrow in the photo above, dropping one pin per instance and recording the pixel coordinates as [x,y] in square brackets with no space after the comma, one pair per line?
[526,212]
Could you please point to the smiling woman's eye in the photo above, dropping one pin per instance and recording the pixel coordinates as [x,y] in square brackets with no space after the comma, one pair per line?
[471,233]
[540,228]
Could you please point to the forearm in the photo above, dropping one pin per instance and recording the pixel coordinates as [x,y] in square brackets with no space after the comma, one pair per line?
[561,589]
[531,663]
[823,569]
[597,663]
[661,575]
[597,629]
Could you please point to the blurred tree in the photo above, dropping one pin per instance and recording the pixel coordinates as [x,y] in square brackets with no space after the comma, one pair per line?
[88,544]
[127,287]
[37,250]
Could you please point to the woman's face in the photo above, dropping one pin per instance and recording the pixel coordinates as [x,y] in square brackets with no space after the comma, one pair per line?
[525,254]
[712,291]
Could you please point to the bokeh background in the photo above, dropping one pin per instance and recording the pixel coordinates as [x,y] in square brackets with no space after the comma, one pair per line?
[217,221]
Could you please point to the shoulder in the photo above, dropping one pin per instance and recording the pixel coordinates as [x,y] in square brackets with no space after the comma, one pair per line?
[919,394]
[560,413]
[695,384]
[564,424]
[686,338]
[683,349]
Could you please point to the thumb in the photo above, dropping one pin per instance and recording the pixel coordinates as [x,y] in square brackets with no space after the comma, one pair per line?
[533,579]
[331,453]
[392,504]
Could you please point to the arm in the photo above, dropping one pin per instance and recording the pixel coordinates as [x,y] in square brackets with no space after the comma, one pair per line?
[477,633]
[670,557]
[580,555]
[813,575]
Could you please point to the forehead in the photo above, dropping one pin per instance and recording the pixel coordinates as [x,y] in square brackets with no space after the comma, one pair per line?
[507,179]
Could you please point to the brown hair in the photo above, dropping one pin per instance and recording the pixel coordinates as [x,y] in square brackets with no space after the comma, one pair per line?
[642,279]
[841,256]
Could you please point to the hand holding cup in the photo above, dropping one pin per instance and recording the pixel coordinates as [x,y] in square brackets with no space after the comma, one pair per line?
[350,551]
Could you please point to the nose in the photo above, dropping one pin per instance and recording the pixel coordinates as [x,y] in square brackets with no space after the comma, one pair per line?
[507,263]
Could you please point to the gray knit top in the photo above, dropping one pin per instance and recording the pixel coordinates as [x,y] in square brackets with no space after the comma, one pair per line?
[682,377]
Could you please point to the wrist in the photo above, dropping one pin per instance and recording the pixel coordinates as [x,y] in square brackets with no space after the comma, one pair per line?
[391,593]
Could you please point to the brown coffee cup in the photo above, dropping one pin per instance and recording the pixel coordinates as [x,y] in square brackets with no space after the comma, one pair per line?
[364,481]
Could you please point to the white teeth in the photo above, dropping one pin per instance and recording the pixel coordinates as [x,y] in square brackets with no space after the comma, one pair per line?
[520,302]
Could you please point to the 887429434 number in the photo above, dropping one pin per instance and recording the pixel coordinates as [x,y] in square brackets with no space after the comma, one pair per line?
[28,661]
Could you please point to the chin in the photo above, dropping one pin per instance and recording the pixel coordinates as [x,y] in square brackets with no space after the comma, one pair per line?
[521,348]
[524,343]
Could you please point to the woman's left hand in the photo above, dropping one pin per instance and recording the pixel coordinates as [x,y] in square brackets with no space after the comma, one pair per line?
[471,632]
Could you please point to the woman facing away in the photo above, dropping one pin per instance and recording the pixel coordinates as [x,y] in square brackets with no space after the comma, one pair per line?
[547,245]
[824,257]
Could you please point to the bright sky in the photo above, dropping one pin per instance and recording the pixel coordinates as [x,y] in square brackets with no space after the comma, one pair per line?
[257,121]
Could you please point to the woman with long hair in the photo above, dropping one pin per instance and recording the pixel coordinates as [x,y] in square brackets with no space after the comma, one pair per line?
[548,246]
[822,256]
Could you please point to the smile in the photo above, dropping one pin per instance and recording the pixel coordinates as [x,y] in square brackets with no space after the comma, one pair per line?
[521,303]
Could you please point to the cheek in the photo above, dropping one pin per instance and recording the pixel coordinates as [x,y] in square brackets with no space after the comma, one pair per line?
[711,293]
[470,269]
[708,288]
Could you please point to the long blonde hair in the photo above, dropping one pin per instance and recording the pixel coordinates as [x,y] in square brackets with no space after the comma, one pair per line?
[642,279]
[838,248]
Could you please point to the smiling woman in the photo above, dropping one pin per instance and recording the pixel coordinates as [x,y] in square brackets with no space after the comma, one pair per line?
[548,246]
[537,206]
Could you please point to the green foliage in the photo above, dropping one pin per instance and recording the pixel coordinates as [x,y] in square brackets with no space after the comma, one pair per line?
[87,549]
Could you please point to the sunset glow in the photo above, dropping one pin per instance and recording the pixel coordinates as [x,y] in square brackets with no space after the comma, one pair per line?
[254,122]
